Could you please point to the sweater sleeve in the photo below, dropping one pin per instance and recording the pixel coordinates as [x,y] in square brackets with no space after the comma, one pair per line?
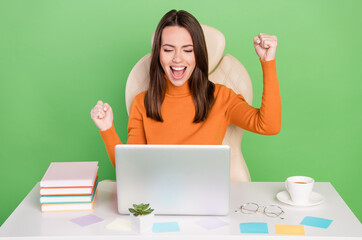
[136,132]
[110,139]
[267,119]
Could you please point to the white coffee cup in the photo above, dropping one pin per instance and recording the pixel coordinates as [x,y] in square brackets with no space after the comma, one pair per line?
[299,188]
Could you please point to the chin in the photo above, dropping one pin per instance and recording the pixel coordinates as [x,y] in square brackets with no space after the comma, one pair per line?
[178,83]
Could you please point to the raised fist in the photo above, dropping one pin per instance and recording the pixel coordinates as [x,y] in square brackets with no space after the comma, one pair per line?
[265,46]
[102,115]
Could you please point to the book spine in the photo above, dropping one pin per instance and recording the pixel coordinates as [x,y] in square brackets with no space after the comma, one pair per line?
[68,198]
[69,207]
[56,191]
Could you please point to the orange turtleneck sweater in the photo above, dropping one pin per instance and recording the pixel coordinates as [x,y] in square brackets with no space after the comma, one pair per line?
[178,113]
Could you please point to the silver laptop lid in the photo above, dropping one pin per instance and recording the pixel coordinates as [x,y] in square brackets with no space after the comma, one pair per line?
[174,179]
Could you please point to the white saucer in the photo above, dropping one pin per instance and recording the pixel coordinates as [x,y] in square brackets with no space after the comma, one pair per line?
[314,199]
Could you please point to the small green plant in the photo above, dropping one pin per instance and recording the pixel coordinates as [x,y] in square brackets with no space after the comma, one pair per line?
[140,209]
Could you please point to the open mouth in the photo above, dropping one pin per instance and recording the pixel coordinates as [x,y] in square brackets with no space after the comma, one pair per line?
[178,72]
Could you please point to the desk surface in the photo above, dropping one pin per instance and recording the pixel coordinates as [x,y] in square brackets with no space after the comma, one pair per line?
[27,221]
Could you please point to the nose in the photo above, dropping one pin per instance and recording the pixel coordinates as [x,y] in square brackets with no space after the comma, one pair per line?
[176,57]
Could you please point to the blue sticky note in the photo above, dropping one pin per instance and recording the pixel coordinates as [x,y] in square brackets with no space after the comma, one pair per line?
[316,222]
[254,227]
[165,227]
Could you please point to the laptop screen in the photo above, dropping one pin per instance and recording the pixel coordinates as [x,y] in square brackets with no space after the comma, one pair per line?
[174,179]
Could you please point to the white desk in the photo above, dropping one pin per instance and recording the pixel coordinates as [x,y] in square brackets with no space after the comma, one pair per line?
[28,222]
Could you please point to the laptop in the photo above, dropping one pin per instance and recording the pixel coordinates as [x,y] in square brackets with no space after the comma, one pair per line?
[174,179]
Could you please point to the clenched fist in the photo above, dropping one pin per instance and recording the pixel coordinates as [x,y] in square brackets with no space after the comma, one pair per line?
[265,46]
[102,115]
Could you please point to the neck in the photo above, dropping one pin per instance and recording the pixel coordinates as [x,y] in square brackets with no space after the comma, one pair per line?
[176,90]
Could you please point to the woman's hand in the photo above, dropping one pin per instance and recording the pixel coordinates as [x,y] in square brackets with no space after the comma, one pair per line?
[102,115]
[265,46]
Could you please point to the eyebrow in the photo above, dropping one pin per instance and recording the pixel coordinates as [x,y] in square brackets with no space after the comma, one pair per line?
[170,45]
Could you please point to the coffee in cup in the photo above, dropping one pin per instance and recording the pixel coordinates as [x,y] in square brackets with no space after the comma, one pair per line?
[299,188]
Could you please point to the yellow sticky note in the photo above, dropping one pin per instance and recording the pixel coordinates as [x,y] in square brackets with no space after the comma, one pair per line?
[289,229]
[120,225]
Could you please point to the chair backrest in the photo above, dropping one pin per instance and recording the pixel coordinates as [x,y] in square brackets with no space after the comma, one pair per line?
[225,70]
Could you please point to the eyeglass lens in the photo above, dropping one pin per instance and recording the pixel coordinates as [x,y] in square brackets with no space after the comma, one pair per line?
[273,211]
[249,208]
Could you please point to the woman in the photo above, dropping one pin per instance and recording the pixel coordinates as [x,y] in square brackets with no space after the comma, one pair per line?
[181,106]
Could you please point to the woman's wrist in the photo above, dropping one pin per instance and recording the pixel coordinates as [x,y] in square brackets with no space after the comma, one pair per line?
[106,127]
[267,60]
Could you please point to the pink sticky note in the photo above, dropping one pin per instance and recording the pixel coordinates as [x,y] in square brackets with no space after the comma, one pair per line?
[211,223]
[87,220]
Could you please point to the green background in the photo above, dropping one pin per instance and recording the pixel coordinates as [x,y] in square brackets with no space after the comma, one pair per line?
[57,58]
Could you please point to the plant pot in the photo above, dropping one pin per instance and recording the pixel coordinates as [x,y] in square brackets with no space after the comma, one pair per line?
[142,223]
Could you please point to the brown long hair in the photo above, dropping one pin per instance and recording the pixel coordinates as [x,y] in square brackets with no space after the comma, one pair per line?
[201,88]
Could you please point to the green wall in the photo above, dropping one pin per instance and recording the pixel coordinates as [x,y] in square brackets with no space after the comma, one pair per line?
[57,58]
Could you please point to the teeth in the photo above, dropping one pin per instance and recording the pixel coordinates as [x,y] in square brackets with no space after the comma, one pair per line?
[178,68]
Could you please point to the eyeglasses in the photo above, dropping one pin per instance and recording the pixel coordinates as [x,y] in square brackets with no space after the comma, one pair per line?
[270,210]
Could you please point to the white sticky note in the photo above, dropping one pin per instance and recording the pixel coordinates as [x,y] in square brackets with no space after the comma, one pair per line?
[120,224]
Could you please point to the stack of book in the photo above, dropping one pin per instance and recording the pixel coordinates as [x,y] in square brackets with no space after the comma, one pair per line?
[69,186]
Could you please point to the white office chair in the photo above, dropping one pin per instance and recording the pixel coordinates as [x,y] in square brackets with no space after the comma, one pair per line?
[225,70]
